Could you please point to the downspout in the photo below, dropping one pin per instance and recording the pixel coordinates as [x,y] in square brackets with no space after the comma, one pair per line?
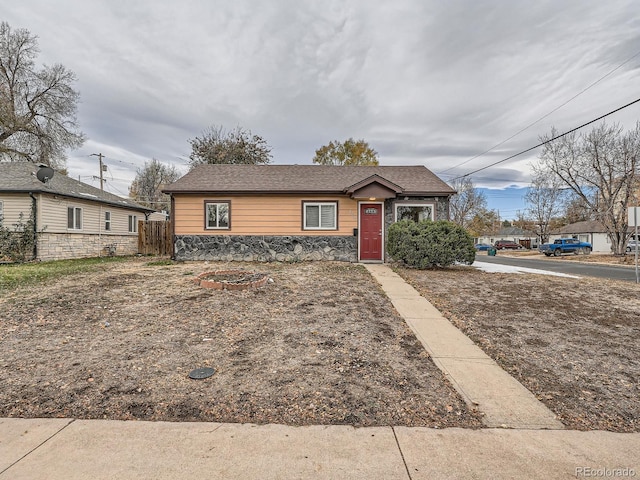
[100,220]
[34,210]
[172,219]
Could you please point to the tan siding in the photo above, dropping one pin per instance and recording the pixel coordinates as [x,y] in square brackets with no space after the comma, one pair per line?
[53,216]
[261,215]
[12,206]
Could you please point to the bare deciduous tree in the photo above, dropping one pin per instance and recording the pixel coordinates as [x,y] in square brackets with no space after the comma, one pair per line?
[239,146]
[484,222]
[545,200]
[146,188]
[37,106]
[576,210]
[467,203]
[601,168]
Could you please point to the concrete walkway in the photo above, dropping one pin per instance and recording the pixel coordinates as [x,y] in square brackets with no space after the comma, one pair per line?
[57,449]
[502,400]
[63,449]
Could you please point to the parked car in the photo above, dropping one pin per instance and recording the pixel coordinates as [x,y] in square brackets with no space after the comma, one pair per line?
[632,245]
[483,247]
[507,245]
[565,245]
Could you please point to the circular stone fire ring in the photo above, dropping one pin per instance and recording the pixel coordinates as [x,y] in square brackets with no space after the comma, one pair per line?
[231,280]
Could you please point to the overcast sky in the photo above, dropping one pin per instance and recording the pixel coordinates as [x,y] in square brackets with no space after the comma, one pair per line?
[424,82]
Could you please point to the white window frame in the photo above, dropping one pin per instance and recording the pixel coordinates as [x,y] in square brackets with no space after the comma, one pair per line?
[414,204]
[107,221]
[217,204]
[76,218]
[320,205]
[133,224]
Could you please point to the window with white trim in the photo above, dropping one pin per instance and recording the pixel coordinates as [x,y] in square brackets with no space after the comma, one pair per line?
[320,216]
[107,221]
[217,215]
[133,224]
[414,211]
[74,218]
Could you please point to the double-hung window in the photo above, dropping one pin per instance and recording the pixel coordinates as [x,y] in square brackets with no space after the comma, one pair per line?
[107,221]
[133,224]
[320,216]
[74,218]
[217,215]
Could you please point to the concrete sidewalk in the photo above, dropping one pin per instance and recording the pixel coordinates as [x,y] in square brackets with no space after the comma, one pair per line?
[503,401]
[63,449]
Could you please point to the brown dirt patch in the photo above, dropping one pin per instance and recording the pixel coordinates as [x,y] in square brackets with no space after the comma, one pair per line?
[320,345]
[574,343]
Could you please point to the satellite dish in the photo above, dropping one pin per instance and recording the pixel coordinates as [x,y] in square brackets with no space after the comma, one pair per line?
[44,174]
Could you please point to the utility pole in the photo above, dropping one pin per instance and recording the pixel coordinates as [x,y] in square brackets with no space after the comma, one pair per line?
[102,168]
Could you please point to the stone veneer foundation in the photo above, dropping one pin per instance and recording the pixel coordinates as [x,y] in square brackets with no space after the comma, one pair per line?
[60,246]
[258,248]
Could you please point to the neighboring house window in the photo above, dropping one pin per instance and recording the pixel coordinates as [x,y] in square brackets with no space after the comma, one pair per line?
[320,216]
[217,215]
[415,212]
[107,221]
[74,218]
[133,224]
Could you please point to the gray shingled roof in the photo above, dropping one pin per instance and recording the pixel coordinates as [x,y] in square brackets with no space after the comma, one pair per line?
[414,180]
[19,177]
[588,226]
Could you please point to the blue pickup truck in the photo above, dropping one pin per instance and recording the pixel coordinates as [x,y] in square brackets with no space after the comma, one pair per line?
[565,245]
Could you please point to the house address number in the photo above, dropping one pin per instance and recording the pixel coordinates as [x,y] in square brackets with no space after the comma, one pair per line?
[370,211]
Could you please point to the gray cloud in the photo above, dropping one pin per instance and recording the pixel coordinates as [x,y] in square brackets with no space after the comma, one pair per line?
[424,82]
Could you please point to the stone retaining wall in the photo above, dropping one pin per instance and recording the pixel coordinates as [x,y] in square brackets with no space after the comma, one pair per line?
[258,248]
[60,246]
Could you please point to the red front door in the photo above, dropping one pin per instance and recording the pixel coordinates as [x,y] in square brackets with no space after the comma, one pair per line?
[371,231]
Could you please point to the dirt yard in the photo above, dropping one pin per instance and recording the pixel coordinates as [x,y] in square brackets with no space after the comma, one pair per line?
[321,344]
[574,343]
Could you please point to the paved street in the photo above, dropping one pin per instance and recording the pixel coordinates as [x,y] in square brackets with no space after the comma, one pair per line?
[565,266]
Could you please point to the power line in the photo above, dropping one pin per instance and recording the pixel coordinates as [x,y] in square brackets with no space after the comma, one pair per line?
[547,141]
[544,116]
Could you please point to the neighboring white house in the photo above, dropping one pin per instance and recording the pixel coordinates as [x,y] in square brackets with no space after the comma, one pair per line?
[72,219]
[590,231]
[512,234]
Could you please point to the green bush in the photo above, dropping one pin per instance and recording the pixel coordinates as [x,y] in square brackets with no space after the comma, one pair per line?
[428,244]
[17,245]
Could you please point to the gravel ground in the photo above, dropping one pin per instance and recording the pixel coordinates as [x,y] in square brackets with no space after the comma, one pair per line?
[321,344]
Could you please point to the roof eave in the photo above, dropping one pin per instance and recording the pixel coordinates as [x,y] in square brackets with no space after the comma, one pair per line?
[80,197]
[341,193]
[255,192]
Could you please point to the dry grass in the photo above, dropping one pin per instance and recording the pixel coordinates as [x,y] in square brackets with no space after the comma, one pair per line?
[320,345]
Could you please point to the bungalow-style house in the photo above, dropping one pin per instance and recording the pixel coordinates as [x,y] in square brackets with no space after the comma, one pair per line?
[72,219]
[298,212]
[590,231]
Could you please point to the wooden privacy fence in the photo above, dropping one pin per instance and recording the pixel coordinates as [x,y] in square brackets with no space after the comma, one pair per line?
[155,238]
